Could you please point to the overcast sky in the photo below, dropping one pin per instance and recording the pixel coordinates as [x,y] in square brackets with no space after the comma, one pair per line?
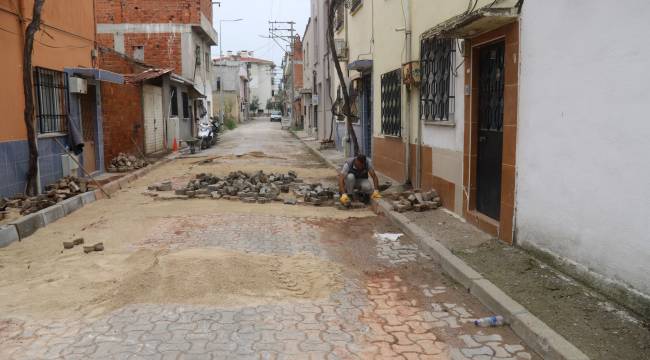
[244,35]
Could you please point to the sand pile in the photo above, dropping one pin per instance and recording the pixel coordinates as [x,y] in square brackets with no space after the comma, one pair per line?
[218,277]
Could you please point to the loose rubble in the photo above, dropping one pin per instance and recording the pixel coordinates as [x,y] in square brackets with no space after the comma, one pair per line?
[65,188]
[258,187]
[126,162]
[416,201]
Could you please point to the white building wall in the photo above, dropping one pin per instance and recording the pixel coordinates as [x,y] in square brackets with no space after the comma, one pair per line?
[583,174]
[260,83]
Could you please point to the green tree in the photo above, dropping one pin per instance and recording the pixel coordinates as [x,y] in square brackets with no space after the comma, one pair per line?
[255,104]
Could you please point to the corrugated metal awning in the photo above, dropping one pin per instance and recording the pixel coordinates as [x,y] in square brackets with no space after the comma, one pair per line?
[360,65]
[147,75]
[477,22]
[96,74]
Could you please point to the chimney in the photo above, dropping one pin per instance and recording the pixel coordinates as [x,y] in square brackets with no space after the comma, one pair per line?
[243,53]
[229,53]
[251,53]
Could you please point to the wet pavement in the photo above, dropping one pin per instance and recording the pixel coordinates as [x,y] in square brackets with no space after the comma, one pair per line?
[389,300]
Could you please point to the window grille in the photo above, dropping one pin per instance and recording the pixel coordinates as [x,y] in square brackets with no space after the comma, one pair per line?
[355,4]
[391,103]
[437,90]
[51,90]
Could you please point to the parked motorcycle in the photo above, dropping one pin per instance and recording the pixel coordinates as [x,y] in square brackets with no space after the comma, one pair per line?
[209,132]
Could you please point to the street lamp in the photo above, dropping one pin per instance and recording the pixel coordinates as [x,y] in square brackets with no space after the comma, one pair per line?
[222,110]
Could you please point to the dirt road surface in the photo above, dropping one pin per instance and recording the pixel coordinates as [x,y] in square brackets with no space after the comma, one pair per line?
[220,279]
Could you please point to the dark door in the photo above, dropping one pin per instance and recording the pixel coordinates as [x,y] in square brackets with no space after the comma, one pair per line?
[490,132]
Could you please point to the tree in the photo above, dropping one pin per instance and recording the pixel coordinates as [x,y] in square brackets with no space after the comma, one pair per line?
[28,91]
[347,112]
[255,104]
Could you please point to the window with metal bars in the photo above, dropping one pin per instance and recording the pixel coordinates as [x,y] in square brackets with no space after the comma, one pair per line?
[391,103]
[355,4]
[437,90]
[51,92]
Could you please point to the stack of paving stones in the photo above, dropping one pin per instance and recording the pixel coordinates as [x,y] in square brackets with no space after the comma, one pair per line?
[126,162]
[316,194]
[259,187]
[63,189]
[416,201]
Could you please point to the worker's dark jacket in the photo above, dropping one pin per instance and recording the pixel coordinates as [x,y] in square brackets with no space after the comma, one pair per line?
[358,174]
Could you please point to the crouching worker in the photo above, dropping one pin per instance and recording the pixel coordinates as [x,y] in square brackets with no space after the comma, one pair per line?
[354,176]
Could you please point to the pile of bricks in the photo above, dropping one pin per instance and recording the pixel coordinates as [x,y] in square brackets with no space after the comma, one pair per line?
[125,162]
[65,188]
[316,194]
[416,201]
[250,188]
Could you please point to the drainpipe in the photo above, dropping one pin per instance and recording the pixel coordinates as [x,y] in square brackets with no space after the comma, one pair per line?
[407,40]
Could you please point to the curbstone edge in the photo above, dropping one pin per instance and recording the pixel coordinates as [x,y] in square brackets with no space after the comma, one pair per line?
[52,214]
[27,225]
[8,235]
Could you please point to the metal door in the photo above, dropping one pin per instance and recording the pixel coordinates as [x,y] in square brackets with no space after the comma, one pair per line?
[153,119]
[490,132]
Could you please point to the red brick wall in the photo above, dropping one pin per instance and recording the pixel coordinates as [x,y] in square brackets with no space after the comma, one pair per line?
[112,61]
[298,67]
[161,50]
[152,11]
[122,119]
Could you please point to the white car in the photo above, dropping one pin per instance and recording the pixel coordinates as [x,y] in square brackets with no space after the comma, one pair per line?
[276,116]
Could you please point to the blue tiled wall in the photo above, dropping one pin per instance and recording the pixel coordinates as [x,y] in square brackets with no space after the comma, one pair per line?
[50,159]
[14,163]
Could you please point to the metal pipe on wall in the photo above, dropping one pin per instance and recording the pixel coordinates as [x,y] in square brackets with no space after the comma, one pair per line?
[407,40]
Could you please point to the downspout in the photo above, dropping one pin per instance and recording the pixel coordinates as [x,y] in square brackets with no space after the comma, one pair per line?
[407,40]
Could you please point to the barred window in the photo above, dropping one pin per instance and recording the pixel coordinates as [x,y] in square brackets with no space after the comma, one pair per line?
[437,90]
[355,4]
[51,91]
[391,103]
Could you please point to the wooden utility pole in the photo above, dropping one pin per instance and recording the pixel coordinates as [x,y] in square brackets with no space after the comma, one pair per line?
[347,112]
[31,188]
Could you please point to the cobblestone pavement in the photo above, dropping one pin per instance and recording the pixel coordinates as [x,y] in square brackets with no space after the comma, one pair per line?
[394,304]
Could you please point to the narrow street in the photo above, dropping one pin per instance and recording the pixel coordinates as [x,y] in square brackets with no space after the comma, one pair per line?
[220,279]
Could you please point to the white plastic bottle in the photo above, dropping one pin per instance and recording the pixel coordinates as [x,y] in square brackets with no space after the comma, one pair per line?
[490,321]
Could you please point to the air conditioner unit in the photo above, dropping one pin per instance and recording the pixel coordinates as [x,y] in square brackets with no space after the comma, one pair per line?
[78,85]
[341,49]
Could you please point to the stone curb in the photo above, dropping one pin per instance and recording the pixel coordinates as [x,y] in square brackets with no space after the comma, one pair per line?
[8,234]
[533,331]
[27,225]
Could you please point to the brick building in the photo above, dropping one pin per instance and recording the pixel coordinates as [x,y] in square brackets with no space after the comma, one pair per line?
[165,34]
[66,80]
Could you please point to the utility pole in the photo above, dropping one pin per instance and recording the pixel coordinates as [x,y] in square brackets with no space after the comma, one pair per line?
[285,31]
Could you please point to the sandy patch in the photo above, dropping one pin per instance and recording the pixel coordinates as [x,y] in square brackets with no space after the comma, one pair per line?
[207,276]
[219,277]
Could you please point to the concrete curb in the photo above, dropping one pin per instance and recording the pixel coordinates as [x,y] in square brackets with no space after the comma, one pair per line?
[533,331]
[28,225]
[314,151]
[8,234]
